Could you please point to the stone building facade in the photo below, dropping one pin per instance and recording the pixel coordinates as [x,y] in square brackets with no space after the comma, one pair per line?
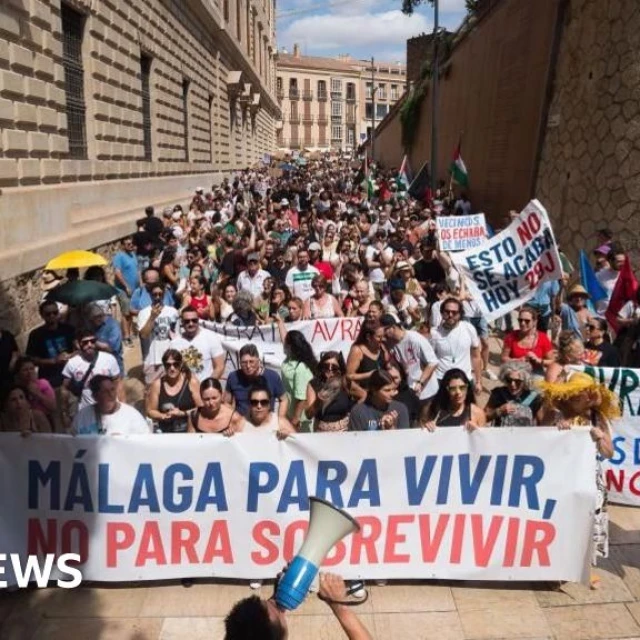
[589,173]
[327,102]
[108,106]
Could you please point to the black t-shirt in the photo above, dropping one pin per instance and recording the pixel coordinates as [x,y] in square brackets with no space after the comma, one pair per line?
[46,344]
[153,226]
[501,396]
[8,347]
[279,274]
[337,409]
[609,356]
[431,271]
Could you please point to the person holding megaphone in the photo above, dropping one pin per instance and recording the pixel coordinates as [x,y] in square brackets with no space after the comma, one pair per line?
[256,619]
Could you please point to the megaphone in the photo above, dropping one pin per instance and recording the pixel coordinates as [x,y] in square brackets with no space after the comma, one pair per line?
[327,526]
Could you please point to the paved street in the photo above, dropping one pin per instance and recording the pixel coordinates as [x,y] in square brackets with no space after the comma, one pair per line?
[442,611]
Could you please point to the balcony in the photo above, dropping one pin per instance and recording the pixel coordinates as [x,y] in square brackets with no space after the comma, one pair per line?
[307,119]
[280,94]
[381,95]
[351,118]
[323,119]
[322,96]
[294,118]
[307,95]
[336,117]
[294,94]
[336,95]
[351,98]
[294,143]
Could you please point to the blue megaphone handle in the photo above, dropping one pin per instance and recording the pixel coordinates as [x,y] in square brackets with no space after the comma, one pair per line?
[295,583]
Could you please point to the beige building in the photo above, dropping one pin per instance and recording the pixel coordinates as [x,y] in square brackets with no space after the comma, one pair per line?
[329,102]
[107,106]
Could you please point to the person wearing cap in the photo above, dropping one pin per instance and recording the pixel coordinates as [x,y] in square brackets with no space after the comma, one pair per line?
[574,313]
[404,270]
[315,258]
[400,304]
[107,332]
[413,352]
[253,277]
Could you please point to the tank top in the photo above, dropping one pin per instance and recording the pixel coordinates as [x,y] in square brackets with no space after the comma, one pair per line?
[271,425]
[182,400]
[368,364]
[447,420]
[195,418]
[201,305]
[321,311]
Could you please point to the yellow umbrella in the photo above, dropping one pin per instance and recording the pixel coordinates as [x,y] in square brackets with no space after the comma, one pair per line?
[76,259]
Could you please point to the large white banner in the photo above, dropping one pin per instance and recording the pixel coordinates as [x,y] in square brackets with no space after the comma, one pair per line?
[504,272]
[497,504]
[459,233]
[623,469]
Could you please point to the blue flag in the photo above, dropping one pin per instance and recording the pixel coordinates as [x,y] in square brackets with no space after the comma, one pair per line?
[589,281]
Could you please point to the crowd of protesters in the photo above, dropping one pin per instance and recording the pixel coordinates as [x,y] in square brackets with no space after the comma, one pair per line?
[308,244]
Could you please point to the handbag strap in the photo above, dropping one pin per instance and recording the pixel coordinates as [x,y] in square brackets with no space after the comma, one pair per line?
[85,377]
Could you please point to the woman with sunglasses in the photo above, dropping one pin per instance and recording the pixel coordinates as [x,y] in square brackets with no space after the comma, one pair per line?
[173,395]
[321,304]
[454,404]
[598,350]
[261,419]
[328,401]
[527,344]
[380,411]
[515,404]
[214,416]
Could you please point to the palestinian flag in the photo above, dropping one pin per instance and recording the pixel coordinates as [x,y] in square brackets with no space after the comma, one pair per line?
[420,185]
[404,175]
[458,169]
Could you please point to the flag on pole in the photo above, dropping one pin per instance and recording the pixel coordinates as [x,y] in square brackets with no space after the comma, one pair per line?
[458,168]
[626,289]
[364,178]
[404,176]
[589,281]
[420,186]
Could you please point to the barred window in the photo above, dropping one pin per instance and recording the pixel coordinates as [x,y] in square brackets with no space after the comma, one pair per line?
[145,78]
[72,33]
[185,110]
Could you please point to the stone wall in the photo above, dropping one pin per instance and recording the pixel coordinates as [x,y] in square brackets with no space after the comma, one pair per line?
[589,175]
[419,49]
[51,202]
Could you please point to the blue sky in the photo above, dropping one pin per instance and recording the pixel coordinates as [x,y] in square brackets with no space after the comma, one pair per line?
[361,28]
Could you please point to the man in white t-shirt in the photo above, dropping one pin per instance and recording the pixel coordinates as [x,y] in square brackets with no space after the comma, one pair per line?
[299,278]
[414,353]
[89,362]
[253,277]
[201,349]
[156,325]
[608,276]
[378,256]
[108,416]
[456,343]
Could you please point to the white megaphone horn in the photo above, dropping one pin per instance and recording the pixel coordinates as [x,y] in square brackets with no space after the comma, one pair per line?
[327,526]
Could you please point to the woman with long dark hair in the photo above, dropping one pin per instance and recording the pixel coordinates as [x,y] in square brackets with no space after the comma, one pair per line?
[39,393]
[173,395]
[17,414]
[454,404]
[365,356]
[380,411]
[214,416]
[297,371]
[406,395]
[328,401]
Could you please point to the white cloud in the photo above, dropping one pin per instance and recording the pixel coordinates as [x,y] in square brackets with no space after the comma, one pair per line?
[371,31]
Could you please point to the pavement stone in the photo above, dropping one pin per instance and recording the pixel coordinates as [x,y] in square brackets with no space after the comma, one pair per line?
[434,625]
[592,622]
[504,620]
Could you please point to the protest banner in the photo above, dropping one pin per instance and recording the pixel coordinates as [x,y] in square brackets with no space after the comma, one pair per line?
[623,469]
[459,233]
[504,272]
[328,334]
[193,505]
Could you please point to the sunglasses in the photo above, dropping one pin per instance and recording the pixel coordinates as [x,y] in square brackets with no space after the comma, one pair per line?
[450,312]
[172,365]
[513,381]
[593,327]
[524,320]
[87,341]
[330,367]
[189,320]
[259,403]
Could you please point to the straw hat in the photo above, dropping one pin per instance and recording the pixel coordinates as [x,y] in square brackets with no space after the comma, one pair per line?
[578,290]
